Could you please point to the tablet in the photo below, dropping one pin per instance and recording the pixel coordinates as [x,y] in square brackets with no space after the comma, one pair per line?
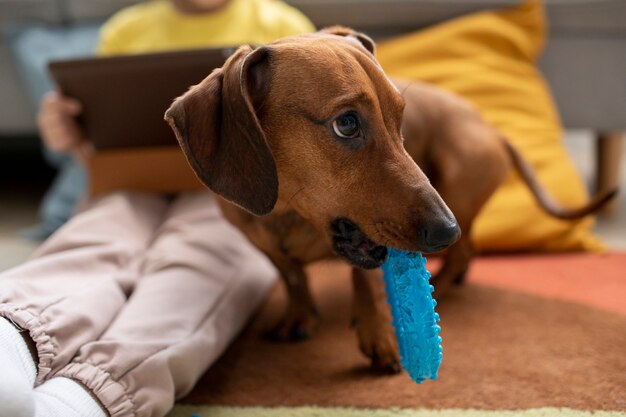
[125,97]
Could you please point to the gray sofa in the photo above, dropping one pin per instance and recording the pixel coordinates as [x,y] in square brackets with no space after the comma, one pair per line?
[584,62]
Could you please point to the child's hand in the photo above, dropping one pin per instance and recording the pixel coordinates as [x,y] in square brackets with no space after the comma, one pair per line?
[58,127]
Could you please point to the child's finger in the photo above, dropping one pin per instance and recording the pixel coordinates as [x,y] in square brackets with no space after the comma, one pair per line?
[53,102]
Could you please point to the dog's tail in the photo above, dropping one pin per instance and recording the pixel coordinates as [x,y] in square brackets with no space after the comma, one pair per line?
[546,201]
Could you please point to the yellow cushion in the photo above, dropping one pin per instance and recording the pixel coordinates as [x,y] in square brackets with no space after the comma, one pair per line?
[489,58]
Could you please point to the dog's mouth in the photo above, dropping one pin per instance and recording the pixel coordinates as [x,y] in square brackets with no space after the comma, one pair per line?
[353,245]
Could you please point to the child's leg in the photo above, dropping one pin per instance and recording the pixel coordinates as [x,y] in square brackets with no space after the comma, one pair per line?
[200,283]
[77,282]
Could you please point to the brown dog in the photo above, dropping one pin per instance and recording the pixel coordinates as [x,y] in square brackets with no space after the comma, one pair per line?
[313,148]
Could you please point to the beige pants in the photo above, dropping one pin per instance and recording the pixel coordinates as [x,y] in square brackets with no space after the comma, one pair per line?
[136,296]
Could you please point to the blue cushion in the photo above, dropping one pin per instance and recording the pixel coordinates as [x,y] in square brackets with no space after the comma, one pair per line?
[33,47]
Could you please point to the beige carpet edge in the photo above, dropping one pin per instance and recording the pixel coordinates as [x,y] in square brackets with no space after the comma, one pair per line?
[214,411]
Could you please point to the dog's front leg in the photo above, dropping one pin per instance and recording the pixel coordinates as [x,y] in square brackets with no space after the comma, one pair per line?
[372,320]
[300,318]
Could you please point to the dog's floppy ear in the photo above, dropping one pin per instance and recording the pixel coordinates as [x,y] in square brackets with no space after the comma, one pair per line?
[367,42]
[217,128]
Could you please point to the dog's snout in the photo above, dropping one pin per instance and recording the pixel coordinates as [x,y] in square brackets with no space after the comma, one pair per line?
[439,235]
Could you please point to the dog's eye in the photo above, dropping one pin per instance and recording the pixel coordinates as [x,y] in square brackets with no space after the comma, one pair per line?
[347,126]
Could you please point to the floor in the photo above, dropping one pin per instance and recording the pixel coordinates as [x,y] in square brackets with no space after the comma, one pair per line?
[20,192]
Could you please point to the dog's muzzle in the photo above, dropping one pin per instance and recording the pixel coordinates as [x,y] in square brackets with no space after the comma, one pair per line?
[352,244]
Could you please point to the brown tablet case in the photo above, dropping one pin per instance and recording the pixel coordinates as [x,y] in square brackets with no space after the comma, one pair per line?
[124,99]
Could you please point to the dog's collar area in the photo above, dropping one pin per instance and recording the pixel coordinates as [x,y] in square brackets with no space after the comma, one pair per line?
[352,244]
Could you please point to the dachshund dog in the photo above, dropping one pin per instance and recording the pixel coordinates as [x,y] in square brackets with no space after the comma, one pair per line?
[316,153]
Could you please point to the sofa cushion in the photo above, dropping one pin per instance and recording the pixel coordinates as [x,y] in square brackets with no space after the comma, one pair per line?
[29,11]
[583,16]
[489,58]
[382,17]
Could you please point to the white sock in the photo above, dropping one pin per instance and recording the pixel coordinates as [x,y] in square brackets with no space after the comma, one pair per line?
[18,373]
[64,397]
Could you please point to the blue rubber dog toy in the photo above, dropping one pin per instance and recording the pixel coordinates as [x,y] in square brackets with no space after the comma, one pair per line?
[413,309]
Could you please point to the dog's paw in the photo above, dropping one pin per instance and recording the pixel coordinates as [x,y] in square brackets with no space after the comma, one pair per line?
[460,278]
[295,326]
[377,341]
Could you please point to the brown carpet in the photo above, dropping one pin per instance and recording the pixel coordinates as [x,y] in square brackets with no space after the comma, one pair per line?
[503,349]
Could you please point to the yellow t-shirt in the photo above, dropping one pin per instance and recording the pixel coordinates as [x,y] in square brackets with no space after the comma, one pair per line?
[157,26]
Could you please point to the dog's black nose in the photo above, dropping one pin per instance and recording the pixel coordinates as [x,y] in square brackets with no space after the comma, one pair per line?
[439,235]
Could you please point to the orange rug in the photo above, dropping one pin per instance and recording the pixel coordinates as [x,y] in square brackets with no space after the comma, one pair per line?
[524,333]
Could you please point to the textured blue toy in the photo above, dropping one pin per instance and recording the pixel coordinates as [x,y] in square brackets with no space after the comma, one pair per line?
[413,309]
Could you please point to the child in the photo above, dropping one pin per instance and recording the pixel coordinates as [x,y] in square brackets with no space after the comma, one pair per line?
[122,310]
